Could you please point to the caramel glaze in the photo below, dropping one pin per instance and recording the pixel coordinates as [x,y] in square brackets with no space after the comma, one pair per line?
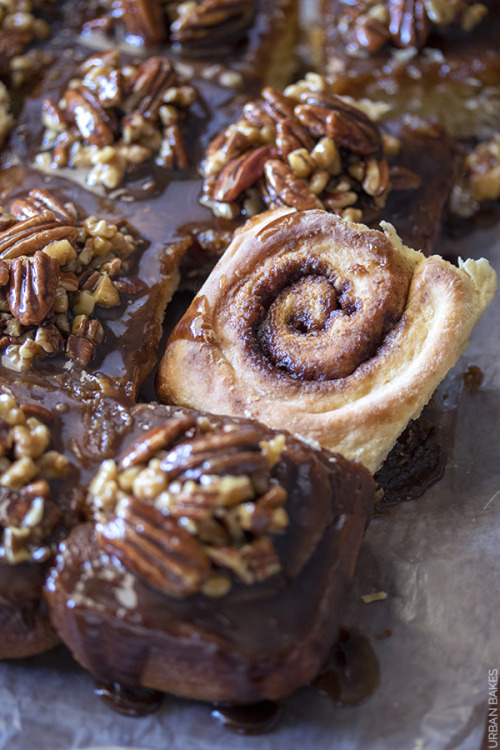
[261,718]
[352,672]
[85,426]
[255,643]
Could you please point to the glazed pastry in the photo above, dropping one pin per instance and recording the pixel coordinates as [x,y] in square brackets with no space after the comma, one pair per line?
[51,442]
[216,562]
[435,59]
[67,280]
[335,331]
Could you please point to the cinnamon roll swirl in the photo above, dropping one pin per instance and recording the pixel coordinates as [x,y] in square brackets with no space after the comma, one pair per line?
[334,331]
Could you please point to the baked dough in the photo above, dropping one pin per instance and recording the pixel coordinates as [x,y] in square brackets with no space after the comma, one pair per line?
[334,331]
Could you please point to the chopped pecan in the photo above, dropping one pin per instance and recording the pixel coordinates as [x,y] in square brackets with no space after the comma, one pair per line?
[156,547]
[32,287]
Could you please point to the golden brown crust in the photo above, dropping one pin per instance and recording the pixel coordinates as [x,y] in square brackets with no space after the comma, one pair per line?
[223,341]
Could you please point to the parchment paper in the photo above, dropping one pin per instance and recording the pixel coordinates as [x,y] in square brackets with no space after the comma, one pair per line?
[438,560]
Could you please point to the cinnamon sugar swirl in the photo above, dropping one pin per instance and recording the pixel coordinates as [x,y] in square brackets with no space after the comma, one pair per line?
[335,331]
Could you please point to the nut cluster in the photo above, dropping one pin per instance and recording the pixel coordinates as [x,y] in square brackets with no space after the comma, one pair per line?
[369,24]
[19,27]
[303,148]
[116,115]
[55,270]
[192,23]
[192,502]
[27,514]
[481,179]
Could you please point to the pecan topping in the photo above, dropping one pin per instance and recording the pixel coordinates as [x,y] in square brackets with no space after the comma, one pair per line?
[191,503]
[156,547]
[306,148]
[55,268]
[27,514]
[197,23]
[143,19]
[33,284]
[369,24]
[211,21]
[19,28]
[114,116]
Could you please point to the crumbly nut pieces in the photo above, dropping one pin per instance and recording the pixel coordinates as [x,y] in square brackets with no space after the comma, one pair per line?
[116,115]
[27,464]
[303,148]
[191,508]
[56,271]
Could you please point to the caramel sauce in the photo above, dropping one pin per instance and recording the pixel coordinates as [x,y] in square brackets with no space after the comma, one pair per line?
[261,718]
[128,701]
[352,673]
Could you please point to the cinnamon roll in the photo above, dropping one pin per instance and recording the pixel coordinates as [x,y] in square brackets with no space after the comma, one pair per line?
[216,560]
[334,331]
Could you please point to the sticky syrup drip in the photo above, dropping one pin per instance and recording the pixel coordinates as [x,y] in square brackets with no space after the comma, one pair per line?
[260,718]
[128,701]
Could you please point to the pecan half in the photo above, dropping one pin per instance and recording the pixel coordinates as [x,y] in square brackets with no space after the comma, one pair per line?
[28,236]
[286,189]
[210,21]
[32,287]
[143,19]
[37,203]
[86,113]
[241,173]
[409,24]
[158,437]
[156,547]
[152,79]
